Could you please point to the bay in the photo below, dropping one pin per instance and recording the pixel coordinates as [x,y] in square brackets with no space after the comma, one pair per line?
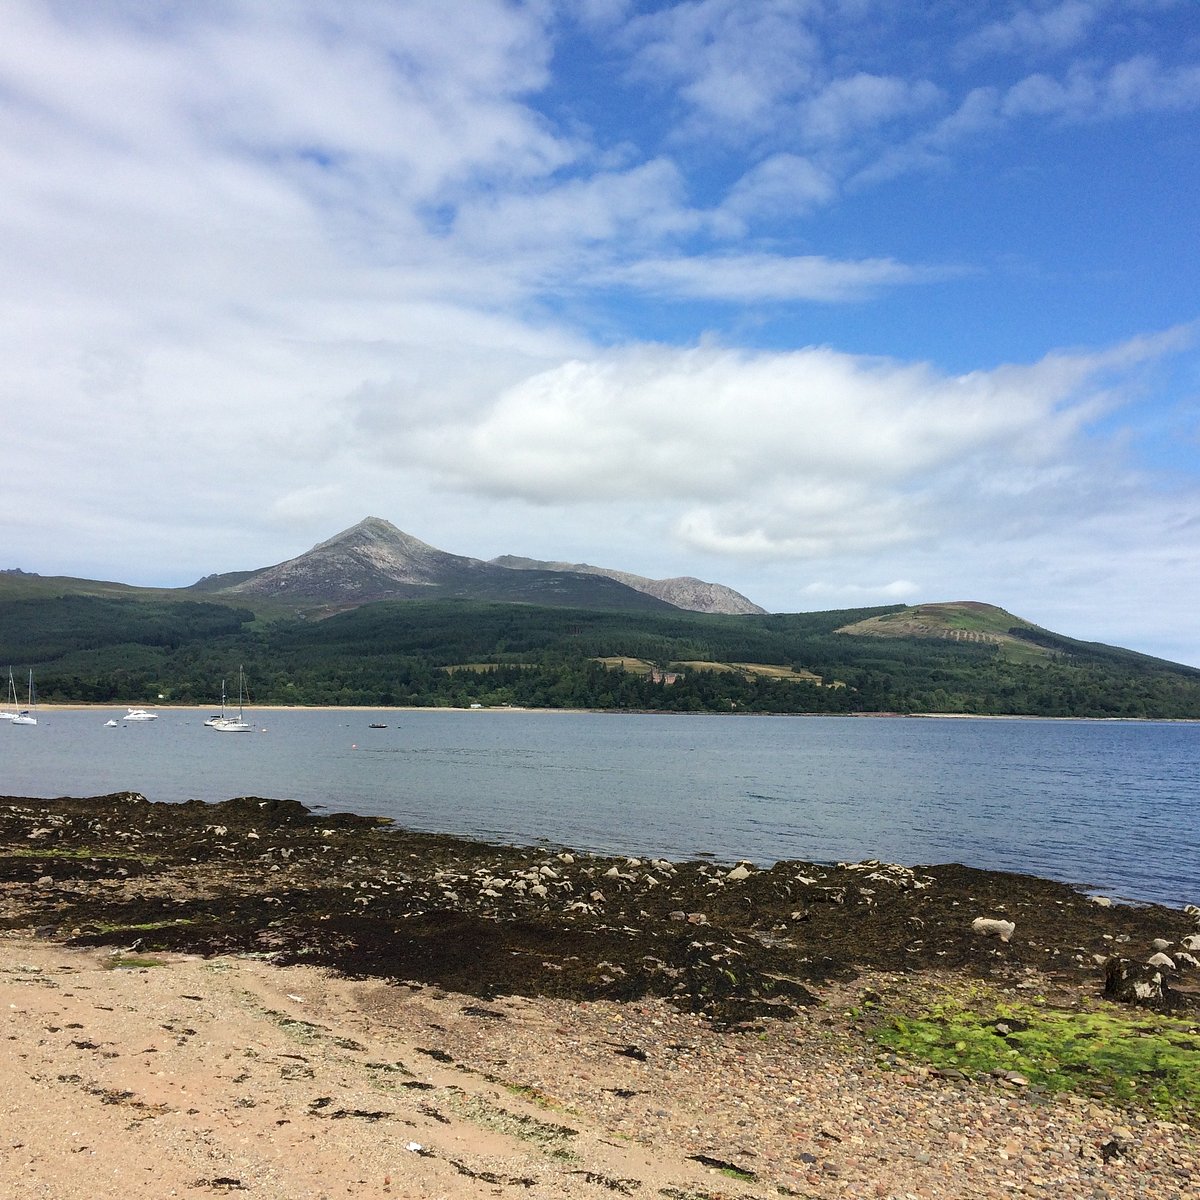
[1110,806]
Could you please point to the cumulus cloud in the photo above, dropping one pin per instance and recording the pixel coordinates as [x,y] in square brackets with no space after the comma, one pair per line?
[789,454]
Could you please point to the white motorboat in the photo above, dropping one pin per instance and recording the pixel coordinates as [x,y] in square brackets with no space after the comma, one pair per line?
[111,722]
[139,714]
[237,724]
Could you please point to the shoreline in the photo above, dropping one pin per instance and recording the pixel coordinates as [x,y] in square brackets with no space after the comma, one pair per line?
[115,709]
[289,1001]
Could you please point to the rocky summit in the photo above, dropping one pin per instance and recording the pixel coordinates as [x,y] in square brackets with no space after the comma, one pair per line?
[365,561]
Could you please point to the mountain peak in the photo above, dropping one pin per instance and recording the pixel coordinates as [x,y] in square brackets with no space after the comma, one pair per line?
[364,562]
[378,532]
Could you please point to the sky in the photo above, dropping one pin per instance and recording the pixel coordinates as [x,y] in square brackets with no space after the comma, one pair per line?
[838,302]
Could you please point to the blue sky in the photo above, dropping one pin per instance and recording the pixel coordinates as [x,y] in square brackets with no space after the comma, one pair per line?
[839,302]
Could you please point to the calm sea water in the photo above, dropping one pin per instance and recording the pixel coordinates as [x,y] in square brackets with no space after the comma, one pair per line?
[1113,807]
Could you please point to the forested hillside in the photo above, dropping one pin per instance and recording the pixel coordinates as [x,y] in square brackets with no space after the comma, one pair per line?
[120,650]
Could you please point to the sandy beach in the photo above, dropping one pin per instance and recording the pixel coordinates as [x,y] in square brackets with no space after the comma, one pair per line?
[209,1077]
[209,1000]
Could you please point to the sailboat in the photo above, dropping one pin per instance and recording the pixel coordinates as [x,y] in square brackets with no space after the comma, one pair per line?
[10,713]
[236,724]
[217,718]
[25,716]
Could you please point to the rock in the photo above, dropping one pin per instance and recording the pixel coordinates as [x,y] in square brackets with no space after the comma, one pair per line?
[739,872]
[996,928]
[1160,944]
[46,881]
[1164,961]
[1184,959]
[1102,901]
[1135,983]
[1191,942]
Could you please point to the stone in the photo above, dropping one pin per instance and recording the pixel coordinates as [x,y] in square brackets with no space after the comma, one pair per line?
[1164,961]
[739,873]
[994,927]
[1135,983]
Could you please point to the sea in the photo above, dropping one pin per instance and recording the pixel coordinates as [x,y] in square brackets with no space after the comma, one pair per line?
[1112,807]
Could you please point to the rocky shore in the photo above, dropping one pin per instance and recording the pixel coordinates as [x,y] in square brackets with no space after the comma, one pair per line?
[254,997]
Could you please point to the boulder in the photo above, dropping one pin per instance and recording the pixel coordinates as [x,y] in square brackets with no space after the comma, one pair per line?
[1135,983]
[994,927]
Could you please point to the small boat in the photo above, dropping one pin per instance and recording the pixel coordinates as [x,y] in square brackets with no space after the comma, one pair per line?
[26,716]
[139,714]
[376,725]
[10,713]
[236,724]
[111,722]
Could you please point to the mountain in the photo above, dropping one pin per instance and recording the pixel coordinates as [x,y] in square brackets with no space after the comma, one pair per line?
[405,623]
[374,561]
[692,595]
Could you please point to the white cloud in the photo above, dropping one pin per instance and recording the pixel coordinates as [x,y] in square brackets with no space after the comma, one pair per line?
[783,185]
[1037,31]
[1086,92]
[855,104]
[1137,85]
[734,62]
[848,595]
[765,278]
[639,206]
[792,454]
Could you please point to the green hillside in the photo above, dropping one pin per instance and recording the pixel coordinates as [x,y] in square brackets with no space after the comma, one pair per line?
[133,645]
